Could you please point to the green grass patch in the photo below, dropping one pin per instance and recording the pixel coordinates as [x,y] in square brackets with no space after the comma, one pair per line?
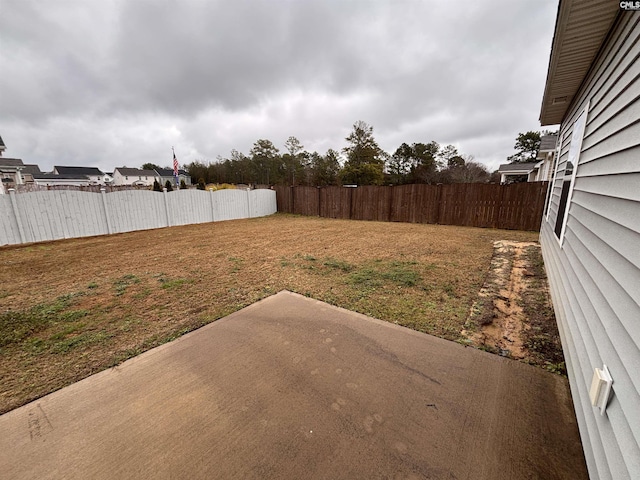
[379,273]
[122,283]
[337,265]
[237,264]
[83,339]
[171,284]
[17,326]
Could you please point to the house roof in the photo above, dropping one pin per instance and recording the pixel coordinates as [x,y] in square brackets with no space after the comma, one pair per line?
[167,172]
[61,176]
[548,143]
[62,170]
[2,143]
[32,169]
[518,168]
[581,28]
[135,171]
[10,162]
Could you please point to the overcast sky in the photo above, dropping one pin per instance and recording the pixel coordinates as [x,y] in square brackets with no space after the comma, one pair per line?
[110,83]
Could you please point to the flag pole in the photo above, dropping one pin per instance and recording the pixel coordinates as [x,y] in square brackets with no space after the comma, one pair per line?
[175,168]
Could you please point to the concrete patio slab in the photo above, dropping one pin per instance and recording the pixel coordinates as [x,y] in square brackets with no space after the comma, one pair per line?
[294,388]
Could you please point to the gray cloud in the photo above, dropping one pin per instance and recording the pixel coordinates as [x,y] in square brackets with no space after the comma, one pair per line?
[117,83]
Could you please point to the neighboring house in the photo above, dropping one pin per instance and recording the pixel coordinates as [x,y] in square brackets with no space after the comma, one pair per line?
[93,174]
[590,233]
[29,171]
[546,158]
[10,173]
[13,172]
[539,171]
[164,174]
[52,179]
[133,176]
[518,172]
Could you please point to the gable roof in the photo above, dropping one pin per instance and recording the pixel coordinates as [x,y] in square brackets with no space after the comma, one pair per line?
[548,143]
[167,172]
[32,169]
[581,28]
[518,167]
[62,170]
[134,171]
[2,144]
[10,162]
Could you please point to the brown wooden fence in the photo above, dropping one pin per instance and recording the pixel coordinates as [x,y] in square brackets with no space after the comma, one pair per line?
[515,207]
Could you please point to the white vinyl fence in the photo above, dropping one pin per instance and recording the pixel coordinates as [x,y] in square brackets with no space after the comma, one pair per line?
[57,214]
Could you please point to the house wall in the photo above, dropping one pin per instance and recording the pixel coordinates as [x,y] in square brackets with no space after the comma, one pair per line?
[594,274]
[545,172]
[57,214]
[162,180]
[119,179]
[62,181]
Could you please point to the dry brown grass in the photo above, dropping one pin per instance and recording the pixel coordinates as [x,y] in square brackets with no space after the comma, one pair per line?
[72,308]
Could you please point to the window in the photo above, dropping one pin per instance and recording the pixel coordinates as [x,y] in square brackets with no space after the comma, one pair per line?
[567,173]
[554,170]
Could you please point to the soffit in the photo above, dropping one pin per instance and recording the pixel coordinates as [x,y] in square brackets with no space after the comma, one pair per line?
[581,28]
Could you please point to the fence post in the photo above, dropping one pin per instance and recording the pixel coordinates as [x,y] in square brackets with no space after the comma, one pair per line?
[351,189]
[103,192]
[499,208]
[16,214]
[293,199]
[166,205]
[438,202]
[248,203]
[213,207]
[390,202]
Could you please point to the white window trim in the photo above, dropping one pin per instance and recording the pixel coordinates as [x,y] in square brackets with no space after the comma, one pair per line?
[556,167]
[578,139]
[552,185]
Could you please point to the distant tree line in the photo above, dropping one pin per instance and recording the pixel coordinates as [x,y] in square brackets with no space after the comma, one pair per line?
[361,162]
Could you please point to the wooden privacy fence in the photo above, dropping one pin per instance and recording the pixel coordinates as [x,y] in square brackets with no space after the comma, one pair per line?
[515,207]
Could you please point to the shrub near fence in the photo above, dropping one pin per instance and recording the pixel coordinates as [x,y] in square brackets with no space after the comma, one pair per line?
[56,214]
[515,207]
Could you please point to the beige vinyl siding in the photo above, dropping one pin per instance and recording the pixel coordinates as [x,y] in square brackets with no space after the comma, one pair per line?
[595,273]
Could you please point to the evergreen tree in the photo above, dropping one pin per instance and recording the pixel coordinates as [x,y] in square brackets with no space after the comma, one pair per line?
[266,162]
[527,146]
[365,159]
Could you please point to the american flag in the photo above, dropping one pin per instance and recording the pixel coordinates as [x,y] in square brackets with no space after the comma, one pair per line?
[175,167]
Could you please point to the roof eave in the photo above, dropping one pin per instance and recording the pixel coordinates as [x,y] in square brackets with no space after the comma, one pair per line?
[580,31]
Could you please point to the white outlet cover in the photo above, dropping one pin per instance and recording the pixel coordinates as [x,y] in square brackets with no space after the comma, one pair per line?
[600,388]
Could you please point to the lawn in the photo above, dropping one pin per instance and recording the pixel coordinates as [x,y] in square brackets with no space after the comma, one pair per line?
[71,308]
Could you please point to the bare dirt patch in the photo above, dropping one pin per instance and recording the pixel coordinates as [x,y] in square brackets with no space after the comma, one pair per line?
[513,315]
[71,308]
